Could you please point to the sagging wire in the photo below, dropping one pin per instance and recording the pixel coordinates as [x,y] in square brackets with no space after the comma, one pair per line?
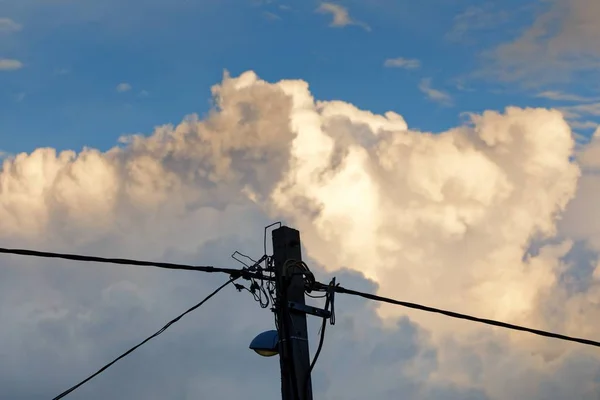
[329,303]
[263,290]
[257,288]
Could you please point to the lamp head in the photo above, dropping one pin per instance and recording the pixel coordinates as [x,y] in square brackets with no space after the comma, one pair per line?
[266,344]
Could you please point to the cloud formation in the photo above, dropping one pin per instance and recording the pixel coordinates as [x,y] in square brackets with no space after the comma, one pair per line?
[8,64]
[464,219]
[341,16]
[473,19]
[434,94]
[401,62]
[563,39]
[123,87]
[557,95]
[7,25]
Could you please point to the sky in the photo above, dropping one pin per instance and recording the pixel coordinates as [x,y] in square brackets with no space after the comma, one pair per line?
[432,152]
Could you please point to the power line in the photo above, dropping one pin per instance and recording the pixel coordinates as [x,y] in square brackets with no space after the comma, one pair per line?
[329,297]
[452,314]
[164,328]
[123,261]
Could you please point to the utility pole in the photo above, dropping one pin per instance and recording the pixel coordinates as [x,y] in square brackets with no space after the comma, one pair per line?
[293,333]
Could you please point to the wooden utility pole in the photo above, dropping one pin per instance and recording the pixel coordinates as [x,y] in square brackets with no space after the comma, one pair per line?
[293,333]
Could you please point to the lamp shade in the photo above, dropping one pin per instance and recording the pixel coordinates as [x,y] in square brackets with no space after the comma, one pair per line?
[266,344]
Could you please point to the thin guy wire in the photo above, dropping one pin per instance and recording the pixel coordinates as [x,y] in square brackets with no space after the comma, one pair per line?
[164,328]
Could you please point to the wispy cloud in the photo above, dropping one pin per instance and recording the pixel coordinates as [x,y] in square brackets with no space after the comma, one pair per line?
[475,19]
[123,87]
[7,64]
[7,25]
[582,116]
[557,95]
[401,62]
[341,16]
[434,94]
[583,125]
[271,16]
[592,109]
[62,71]
[562,40]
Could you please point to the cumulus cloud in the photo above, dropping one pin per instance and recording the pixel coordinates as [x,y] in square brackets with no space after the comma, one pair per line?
[123,87]
[341,16]
[434,94]
[401,62]
[450,219]
[8,64]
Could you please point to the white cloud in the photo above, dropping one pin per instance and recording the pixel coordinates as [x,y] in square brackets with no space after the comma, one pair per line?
[7,25]
[123,87]
[7,64]
[434,94]
[341,16]
[401,62]
[444,219]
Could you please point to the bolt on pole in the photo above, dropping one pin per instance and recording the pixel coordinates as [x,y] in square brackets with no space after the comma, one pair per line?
[292,327]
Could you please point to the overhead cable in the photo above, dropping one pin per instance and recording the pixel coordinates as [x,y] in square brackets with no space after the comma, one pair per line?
[75,257]
[453,314]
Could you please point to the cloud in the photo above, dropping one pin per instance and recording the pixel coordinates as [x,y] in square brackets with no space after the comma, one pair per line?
[7,25]
[123,87]
[579,115]
[271,16]
[434,94]
[7,64]
[475,19]
[62,71]
[556,95]
[400,62]
[579,110]
[341,16]
[447,219]
[562,40]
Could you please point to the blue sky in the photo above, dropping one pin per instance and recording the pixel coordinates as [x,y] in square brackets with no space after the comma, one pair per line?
[74,54]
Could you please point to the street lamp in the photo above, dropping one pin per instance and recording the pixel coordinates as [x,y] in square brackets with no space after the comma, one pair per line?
[266,344]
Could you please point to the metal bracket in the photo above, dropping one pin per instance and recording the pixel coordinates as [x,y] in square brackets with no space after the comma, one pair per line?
[302,308]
